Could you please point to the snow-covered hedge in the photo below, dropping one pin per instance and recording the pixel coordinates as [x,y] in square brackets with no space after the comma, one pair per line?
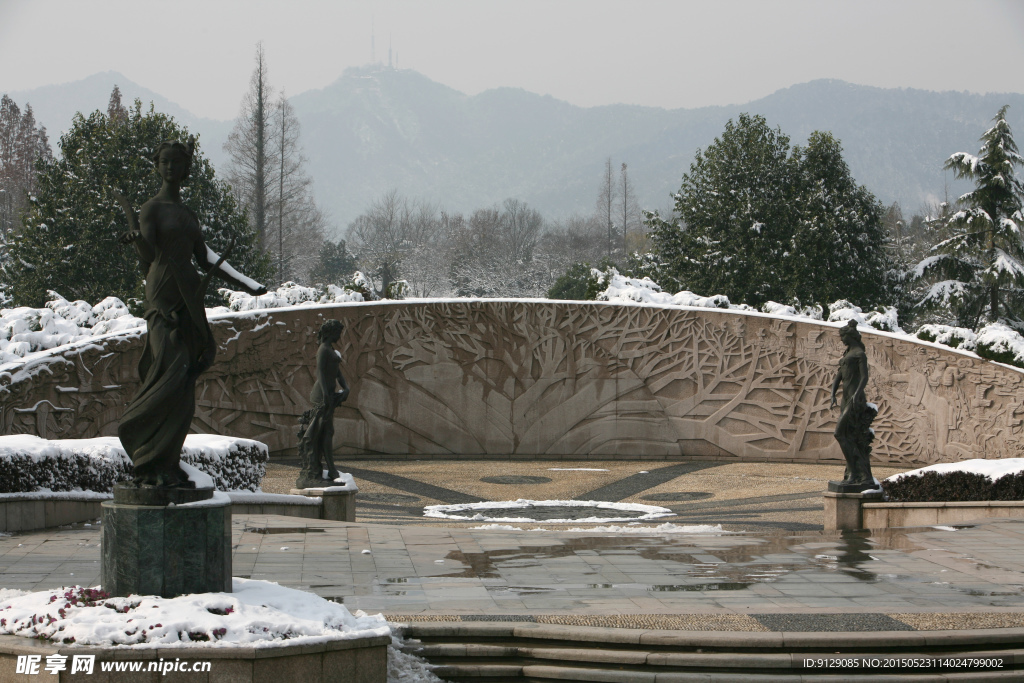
[978,479]
[28,463]
[644,290]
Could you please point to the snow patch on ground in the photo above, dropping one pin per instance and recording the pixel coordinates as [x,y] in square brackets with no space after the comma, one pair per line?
[408,668]
[477,512]
[576,469]
[665,528]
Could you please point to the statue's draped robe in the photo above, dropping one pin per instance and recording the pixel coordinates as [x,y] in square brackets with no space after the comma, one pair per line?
[154,426]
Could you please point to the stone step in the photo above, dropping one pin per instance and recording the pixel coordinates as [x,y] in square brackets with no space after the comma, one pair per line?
[507,673]
[496,652]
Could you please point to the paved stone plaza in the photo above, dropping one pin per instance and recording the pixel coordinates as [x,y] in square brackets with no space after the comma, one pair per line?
[776,570]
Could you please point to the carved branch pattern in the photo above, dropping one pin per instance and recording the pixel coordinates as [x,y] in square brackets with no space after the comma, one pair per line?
[502,377]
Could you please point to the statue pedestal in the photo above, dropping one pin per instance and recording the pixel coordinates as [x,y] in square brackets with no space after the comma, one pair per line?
[843,510]
[339,502]
[166,550]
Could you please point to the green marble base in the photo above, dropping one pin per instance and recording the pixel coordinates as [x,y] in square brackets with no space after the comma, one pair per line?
[166,551]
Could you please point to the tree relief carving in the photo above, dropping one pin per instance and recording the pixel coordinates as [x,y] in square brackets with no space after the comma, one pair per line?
[544,378]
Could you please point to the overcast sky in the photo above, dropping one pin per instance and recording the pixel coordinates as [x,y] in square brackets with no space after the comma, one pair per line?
[667,53]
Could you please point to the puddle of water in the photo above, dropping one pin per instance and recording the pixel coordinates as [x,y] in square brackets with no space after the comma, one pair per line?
[282,530]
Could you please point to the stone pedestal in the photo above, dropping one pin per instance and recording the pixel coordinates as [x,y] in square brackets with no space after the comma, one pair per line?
[166,550]
[843,510]
[339,502]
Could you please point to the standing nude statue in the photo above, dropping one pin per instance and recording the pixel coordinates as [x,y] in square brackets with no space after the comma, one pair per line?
[316,427]
[853,430]
[179,342]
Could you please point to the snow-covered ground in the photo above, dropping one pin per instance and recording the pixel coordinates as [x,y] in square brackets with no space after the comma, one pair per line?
[993,469]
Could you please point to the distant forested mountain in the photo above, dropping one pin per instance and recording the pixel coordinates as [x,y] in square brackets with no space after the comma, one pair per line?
[376,129]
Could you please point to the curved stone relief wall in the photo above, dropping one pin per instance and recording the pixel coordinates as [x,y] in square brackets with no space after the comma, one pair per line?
[555,379]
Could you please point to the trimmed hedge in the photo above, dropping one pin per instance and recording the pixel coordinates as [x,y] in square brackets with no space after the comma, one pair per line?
[954,487]
[92,467]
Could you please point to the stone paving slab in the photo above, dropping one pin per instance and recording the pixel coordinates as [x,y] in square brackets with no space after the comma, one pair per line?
[898,579]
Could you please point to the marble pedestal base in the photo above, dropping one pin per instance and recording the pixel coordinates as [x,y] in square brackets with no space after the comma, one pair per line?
[843,510]
[166,550]
[337,505]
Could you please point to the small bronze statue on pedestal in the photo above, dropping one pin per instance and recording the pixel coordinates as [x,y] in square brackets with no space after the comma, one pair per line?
[179,341]
[853,430]
[316,427]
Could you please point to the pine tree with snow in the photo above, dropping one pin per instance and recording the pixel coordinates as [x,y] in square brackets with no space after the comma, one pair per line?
[977,271]
[69,238]
[840,247]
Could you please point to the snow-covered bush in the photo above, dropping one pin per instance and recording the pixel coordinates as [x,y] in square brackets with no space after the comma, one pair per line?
[290,294]
[810,312]
[885,319]
[948,335]
[1000,343]
[994,341]
[644,290]
[29,463]
[26,330]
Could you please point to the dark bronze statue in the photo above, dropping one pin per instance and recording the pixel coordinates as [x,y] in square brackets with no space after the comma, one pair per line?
[853,430]
[316,427]
[179,343]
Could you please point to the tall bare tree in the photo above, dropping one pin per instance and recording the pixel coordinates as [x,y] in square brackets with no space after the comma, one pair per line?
[606,205]
[292,213]
[251,149]
[391,231]
[22,145]
[630,210]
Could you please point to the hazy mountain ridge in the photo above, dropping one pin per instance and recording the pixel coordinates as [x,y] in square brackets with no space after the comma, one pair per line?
[375,129]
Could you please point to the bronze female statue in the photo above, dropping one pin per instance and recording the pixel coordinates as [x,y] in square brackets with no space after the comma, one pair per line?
[853,430]
[316,427]
[179,342]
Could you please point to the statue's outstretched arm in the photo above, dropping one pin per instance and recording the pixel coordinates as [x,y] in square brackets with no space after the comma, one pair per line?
[209,260]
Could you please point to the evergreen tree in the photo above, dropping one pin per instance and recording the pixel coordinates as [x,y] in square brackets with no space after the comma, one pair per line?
[334,264]
[755,222]
[979,267]
[69,239]
[840,249]
[735,205]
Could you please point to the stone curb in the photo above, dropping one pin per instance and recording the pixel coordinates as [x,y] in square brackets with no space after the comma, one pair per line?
[751,639]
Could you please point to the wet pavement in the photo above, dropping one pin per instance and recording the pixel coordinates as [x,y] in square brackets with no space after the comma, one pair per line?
[969,576]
